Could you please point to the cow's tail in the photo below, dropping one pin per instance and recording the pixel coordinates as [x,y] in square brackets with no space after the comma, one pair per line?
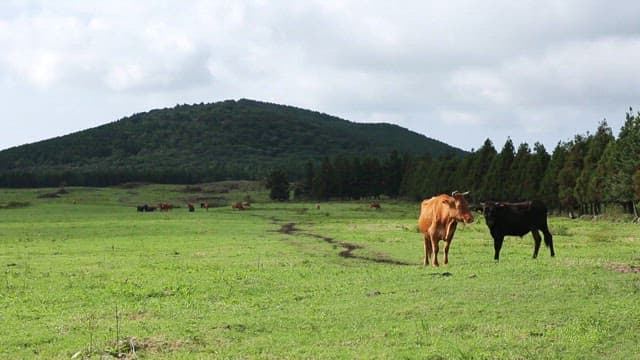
[548,238]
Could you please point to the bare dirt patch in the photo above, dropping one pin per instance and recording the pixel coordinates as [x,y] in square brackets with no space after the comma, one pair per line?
[137,316]
[624,268]
[349,248]
[288,228]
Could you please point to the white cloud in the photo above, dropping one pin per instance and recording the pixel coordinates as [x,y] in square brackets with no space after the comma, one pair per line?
[479,86]
[122,77]
[77,51]
[455,117]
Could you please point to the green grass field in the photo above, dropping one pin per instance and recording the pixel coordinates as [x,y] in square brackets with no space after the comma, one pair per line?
[86,276]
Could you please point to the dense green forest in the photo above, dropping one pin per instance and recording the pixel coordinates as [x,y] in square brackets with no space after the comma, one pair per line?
[323,157]
[241,139]
[580,176]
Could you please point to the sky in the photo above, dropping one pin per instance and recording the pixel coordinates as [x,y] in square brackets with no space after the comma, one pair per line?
[457,71]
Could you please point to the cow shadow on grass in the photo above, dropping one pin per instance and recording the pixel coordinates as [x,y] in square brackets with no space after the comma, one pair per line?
[348,251]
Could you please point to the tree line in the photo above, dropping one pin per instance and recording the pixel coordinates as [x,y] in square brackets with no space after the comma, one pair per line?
[582,175]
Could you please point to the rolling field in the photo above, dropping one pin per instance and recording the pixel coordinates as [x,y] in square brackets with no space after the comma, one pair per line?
[86,276]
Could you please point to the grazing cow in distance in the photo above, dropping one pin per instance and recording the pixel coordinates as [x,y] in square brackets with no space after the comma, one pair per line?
[375,205]
[237,205]
[517,219]
[191,207]
[165,206]
[204,205]
[439,217]
[145,207]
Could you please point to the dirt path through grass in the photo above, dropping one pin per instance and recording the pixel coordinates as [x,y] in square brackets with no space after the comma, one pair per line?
[349,248]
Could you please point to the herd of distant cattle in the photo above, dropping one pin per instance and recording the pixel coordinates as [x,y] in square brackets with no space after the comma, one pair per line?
[440,215]
[240,205]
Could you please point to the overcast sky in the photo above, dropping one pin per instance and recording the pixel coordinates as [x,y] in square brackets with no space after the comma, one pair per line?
[456,71]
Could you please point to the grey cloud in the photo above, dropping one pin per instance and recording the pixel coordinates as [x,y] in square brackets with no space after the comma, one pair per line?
[532,70]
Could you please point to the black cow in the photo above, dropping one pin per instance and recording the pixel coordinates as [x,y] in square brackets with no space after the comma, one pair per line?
[145,207]
[517,219]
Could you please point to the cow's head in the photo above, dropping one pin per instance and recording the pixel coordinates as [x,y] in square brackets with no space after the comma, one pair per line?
[490,211]
[462,206]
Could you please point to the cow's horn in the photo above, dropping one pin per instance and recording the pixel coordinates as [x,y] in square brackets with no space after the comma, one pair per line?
[454,193]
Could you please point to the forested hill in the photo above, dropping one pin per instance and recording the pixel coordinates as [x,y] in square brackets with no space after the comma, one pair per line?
[205,142]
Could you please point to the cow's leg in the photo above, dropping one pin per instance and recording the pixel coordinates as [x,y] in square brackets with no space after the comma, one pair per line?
[447,243]
[497,245]
[427,249]
[434,244]
[548,238]
[536,242]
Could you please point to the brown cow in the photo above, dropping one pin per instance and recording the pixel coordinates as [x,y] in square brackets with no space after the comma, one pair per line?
[237,205]
[438,219]
[165,206]
[375,205]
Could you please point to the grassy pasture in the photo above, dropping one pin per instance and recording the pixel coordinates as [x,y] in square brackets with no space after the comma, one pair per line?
[86,276]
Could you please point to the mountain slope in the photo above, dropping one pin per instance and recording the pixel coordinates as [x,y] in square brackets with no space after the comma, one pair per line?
[191,143]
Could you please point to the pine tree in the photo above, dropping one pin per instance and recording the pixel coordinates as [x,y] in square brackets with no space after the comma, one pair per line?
[549,185]
[355,179]
[393,172]
[568,175]
[581,181]
[636,184]
[498,177]
[341,176]
[427,177]
[625,161]
[372,178]
[536,169]
[279,184]
[482,160]
[414,181]
[307,184]
[322,181]
[520,186]
[588,185]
